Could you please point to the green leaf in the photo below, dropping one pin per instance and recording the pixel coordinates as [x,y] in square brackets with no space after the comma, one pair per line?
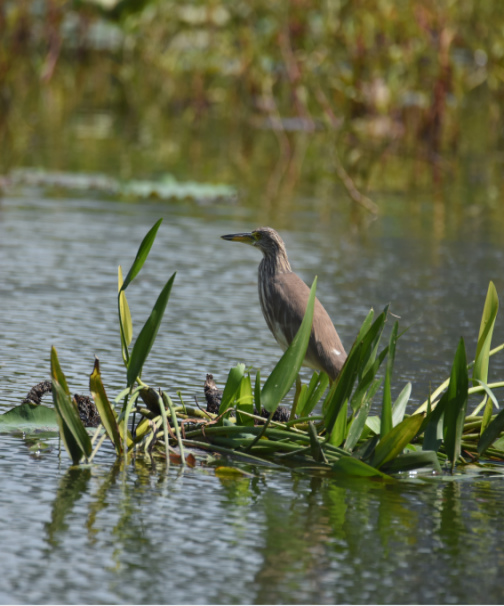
[339,430]
[107,414]
[413,460]
[56,372]
[370,356]
[357,426]
[482,358]
[342,387]
[148,334]
[433,436]
[456,405]
[396,439]
[257,393]
[400,404]
[29,416]
[315,446]
[245,402]
[386,414]
[141,256]
[74,434]
[366,381]
[285,372]
[231,388]
[354,467]
[491,433]
[374,424]
[124,311]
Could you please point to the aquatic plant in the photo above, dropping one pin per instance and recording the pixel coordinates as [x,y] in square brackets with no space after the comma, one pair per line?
[343,438]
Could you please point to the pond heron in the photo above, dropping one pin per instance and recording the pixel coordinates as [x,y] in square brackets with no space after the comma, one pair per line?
[284,297]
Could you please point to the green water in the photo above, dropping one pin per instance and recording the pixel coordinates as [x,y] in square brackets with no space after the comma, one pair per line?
[141,535]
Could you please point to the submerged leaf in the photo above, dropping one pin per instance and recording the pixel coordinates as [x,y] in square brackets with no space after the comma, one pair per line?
[354,467]
[491,433]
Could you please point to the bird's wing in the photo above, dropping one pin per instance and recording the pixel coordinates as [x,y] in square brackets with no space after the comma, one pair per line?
[288,301]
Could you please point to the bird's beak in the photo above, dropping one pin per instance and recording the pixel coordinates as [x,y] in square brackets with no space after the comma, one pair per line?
[245,238]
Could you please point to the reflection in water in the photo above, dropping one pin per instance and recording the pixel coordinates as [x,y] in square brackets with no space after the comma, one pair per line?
[72,487]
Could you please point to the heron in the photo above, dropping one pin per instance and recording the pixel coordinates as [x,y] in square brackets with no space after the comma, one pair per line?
[284,296]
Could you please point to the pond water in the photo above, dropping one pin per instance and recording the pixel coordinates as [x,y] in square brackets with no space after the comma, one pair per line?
[138,535]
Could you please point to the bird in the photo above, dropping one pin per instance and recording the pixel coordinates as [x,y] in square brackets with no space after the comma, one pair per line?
[284,296]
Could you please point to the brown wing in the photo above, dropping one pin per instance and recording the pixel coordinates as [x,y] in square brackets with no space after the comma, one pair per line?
[287,302]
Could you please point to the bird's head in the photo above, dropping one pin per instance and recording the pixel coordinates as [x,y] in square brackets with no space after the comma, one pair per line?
[264,238]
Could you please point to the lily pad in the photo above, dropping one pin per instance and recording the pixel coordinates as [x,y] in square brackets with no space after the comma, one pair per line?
[29,416]
[165,188]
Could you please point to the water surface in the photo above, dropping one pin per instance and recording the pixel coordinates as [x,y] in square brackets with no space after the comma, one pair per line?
[136,535]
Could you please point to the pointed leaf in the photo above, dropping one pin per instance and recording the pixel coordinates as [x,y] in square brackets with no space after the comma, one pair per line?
[257,393]
[491,433]
[74,434]
[400,404]
[456,405]
[285,372]
[482,357]
[124,310]
[396,439]
[56,372]
[141,255]
[107,414]
[148,334]
[386,414]
[245,402]
[339,430]
[231,388]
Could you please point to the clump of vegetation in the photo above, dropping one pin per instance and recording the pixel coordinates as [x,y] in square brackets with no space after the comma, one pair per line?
[343,438]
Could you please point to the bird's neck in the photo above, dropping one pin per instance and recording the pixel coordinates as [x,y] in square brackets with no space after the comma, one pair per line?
[275,264]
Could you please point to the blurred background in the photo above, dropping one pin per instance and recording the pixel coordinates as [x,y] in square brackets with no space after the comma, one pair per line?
[275,98]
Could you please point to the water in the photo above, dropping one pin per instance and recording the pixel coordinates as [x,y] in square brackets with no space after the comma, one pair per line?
[138,536]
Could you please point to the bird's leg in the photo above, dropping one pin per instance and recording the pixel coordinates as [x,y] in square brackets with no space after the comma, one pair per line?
[296,398]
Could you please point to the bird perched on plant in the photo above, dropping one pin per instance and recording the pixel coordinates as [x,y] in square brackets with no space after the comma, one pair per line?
[284,297]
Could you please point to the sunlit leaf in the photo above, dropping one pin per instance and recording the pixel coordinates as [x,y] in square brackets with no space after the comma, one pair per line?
[245,402]
[386,413]
[125,319]
[107,414]
[396,439]
[482,359]
[231,388]
[400,404]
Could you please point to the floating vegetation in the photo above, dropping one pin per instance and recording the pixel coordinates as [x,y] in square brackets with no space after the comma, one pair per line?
[344,438]
[165,188]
